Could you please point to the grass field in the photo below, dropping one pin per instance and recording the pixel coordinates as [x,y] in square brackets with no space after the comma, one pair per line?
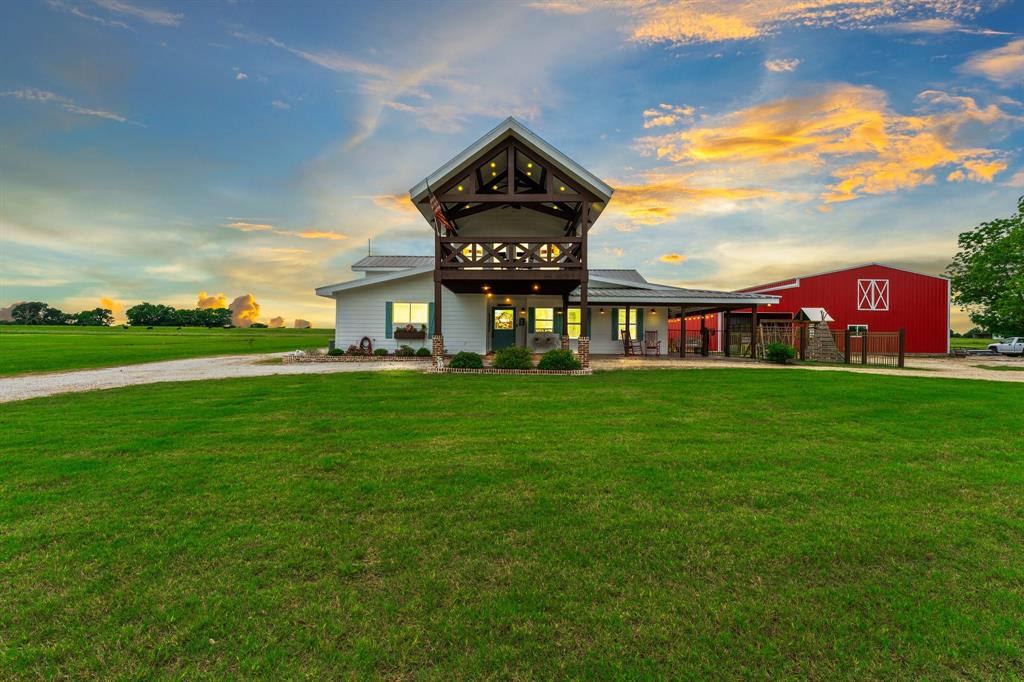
[681,524]
[969,343]
[1001,368]
[49,349]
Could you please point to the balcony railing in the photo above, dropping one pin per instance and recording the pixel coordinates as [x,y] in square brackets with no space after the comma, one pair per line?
[461,253]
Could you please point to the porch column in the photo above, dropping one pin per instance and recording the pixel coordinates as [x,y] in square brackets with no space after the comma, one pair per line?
[682,332]
[437,342]
[583,344]
[728,336]
[565,321]
[753,331]
[703,336]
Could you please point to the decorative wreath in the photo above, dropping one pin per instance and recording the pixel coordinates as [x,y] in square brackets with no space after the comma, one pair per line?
[366,345]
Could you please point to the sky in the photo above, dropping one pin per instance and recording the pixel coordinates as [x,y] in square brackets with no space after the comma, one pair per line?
[206,151]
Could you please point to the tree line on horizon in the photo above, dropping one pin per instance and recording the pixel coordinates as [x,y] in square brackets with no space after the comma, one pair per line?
[141,315]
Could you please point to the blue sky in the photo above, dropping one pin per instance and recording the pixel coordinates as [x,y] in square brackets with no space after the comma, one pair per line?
[153,150]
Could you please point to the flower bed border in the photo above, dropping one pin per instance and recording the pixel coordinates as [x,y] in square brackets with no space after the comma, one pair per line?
[291,359]
[495,370]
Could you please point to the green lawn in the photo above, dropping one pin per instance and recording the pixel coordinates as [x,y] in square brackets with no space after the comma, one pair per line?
[680,524]
[48,349]
[1001,368]
[969,343]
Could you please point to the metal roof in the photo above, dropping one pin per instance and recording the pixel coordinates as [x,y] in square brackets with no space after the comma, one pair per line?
[511,125]
[392,262]
[620,275]
[672,296]
[629,285]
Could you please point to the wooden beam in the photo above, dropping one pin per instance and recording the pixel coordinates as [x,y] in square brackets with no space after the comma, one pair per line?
[437,307]
[753,331]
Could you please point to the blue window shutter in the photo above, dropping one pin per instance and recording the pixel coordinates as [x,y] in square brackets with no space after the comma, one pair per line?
[430,320]
[389,310]
[639,323]
[557,324]
[532,320]
[615,325]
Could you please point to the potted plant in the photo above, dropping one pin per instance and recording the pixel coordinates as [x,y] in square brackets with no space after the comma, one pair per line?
[411,331]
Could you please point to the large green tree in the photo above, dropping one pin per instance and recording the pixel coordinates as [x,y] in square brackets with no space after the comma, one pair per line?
[97,317]
[988,274]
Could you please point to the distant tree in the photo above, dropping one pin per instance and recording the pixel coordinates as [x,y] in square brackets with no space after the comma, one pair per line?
[97,317]
[152,315]
[987,274]
[30,312]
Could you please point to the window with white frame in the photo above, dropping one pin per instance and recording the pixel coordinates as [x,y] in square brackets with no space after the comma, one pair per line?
[574,324]
[857,329]
[410,313]
[872,294]
[621,323]
[543,320]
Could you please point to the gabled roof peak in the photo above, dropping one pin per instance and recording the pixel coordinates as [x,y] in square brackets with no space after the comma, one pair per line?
[512,126]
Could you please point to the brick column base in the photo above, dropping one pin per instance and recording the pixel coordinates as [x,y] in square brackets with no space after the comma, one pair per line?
[437,351]
[565,342]
[583,351]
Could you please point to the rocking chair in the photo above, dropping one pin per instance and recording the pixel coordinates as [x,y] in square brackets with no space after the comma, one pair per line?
[652,346]
[629,346]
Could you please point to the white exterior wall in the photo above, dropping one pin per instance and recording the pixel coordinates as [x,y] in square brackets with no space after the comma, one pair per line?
[466,324]
[601,342]
[361,312]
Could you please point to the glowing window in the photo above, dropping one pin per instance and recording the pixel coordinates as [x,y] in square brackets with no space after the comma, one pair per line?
[574,324]
[621,322]
[410,313]
[543,319]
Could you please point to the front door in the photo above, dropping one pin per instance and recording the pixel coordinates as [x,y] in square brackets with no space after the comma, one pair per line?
[503,327]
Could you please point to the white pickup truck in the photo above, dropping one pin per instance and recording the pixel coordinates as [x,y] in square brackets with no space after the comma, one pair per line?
[1011,346]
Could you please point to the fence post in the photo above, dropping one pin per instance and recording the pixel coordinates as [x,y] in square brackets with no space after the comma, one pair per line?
[804,339]
[846,346]
[864,348]
[903,344]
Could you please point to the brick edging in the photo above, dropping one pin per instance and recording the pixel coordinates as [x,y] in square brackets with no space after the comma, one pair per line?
[495,370]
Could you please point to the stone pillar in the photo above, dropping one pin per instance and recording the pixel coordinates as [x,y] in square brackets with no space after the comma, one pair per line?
[583,351]
[565,342]
[437,352]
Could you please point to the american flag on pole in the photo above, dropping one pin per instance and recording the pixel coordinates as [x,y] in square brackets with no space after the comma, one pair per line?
[440,219]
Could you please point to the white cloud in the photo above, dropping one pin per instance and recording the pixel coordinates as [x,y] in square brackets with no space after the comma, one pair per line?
[77,11]
[1003,65]
[936,25]
[240,76]
[47,97]
[781,65]
[280,104]
[150,15]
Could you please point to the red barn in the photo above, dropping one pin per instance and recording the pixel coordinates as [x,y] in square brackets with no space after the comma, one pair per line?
[881,298]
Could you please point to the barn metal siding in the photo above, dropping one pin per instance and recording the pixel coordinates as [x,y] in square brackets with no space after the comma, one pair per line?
[918,303]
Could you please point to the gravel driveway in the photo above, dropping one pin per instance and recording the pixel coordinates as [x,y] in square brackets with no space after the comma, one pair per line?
[234,366]
[193,369]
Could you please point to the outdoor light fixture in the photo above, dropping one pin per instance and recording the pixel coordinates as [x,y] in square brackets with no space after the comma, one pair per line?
[536,287]
[602,311]
[494,187]
[493,173]
[653,312]
[486,287]
[459,188]
[561,189]
[493,165]
[522,311]
[508,300]
[529,165]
